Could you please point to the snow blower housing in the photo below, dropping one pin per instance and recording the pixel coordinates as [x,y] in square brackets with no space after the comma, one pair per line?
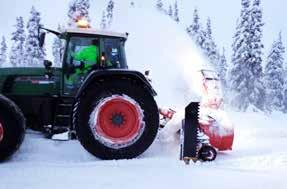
[206,128]
[110,109]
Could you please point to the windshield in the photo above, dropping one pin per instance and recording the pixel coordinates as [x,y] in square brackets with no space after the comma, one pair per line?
[91,50]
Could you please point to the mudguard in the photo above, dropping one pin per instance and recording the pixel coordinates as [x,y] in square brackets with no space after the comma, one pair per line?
[102,74]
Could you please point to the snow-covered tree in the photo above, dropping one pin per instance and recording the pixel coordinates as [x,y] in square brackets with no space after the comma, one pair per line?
[240,75]
[175,14]
[195,30]
[170,11]
[258,91]
[274,76]
[3,51]
[285,100]
[209,47]
[104,21]
[78,9]
[58,50]
[285,97]
[246,72]
[285,89]
[222,69]
[110,12]
[34,55]
[159,5]
[17,48]
[132,4]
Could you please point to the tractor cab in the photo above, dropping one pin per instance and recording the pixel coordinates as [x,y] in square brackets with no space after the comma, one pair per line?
[87,50]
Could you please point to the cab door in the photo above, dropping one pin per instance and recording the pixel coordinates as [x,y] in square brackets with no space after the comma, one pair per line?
[75,71]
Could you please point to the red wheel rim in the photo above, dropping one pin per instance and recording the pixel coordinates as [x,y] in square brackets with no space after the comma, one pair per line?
[118,121]
[1,132]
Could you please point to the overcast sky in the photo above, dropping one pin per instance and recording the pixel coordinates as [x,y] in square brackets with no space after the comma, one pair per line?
[223,14]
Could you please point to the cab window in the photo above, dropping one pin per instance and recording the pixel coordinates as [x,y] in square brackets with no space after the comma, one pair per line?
[113,49]
[78,50]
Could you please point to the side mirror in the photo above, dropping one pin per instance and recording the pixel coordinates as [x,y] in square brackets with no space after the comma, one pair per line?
[146,73]
[47,64]
[49,71]
[42,37]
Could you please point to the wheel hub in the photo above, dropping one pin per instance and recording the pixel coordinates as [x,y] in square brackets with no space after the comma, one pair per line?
[1,132]
[117,121]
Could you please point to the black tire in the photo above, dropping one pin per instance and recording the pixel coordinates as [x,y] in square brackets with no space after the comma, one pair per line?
[91,98]
[13,123]
[207,153]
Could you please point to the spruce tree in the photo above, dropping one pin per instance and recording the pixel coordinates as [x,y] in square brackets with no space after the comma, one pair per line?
[110,12]
[3,52]
[18,40]
[285,90]
[222,69]
[194,28]
[104,21]
[159,5]
[170,11]
[246,75]
[258,91]
[34,55]
[240,74]
[274,76]
[78,9]
[209,47]
[196,32]
[175,15]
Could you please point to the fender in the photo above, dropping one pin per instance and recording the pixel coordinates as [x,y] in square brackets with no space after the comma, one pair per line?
[100,74]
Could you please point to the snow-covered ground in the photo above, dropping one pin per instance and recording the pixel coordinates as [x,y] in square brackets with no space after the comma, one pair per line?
[259,160]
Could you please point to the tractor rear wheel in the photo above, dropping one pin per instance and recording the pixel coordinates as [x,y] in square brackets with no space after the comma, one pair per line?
[12,128]
[116,119]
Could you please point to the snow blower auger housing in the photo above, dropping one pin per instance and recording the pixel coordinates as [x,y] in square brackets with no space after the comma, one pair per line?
[194,143]
[92,97]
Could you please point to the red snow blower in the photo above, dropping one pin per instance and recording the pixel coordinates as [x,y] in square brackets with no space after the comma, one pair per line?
[206,128]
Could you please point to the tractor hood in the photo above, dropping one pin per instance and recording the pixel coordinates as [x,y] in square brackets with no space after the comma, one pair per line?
[25,80]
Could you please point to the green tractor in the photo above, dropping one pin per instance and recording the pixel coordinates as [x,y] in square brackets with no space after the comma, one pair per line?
[111,110]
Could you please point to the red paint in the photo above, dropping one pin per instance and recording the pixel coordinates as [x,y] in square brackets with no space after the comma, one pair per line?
[220,138]
[130,127]
[167,113]
[1,132]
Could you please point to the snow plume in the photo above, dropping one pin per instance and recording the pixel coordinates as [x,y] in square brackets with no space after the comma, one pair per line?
[163,47]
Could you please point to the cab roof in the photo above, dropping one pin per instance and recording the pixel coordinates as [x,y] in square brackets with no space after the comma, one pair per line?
[96,32]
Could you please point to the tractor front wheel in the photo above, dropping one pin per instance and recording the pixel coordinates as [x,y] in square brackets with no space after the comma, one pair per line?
[12,128]
[116,119]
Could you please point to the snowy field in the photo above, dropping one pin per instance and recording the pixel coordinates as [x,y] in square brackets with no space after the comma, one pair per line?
[259,160]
